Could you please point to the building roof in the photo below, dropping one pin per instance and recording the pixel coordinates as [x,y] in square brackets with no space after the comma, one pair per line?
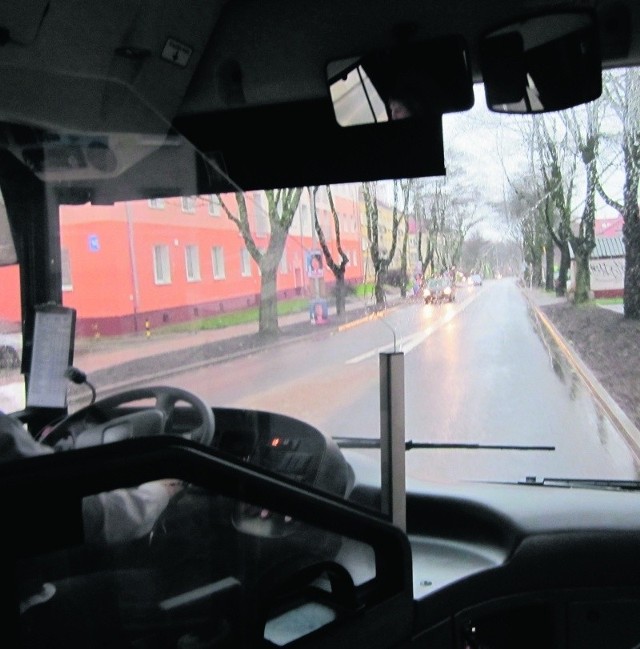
[610,227]
[606,248]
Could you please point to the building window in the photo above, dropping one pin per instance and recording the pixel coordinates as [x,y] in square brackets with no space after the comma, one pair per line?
[304,218]
[217,258]
[215,208]
[189,204]
[284,268]
[262,217]
[192,261]
[67,284]
[161,265]
[245,263]
[156,203]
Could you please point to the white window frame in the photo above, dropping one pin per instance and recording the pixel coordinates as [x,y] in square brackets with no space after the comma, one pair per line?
[188,204]
[305,217]
[217,262]
[65,263]
[283,266]
[161,264]
[263,227]
[156,203]
[192,262]
[245,262]
[215,206]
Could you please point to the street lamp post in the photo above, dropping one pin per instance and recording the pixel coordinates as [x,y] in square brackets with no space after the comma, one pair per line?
[132,264]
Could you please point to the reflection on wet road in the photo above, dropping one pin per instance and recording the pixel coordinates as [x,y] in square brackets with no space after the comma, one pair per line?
[478,370]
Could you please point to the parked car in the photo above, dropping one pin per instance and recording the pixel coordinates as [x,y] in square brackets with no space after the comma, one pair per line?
[475,280]
[439,289]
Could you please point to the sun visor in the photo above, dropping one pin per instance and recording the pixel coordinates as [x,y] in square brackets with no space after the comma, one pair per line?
[127,70]
[301,144]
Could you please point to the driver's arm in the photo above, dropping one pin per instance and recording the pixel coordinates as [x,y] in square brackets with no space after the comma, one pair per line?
[126,514]
[111,517]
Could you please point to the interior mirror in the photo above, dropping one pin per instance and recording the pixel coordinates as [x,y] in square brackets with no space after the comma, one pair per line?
[412,80]
[541,64]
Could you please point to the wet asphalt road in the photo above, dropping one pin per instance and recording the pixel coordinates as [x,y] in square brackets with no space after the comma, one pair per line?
[478,370]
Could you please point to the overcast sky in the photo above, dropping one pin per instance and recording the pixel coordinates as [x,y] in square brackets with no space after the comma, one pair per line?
[488,144]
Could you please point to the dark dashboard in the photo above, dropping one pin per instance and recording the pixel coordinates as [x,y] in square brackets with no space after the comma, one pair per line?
[482,565]
[477,548]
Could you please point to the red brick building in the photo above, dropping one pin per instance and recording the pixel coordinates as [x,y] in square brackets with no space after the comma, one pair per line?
[181,259]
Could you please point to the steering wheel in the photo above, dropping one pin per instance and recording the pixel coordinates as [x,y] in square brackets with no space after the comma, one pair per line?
[100,423]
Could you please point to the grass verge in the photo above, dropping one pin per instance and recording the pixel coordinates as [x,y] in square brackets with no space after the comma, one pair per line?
[236,317]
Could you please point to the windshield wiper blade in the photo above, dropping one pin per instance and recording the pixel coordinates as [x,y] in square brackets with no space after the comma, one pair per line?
[373,442]
[586,483]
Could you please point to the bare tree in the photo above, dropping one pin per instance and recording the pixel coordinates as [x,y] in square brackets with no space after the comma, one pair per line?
[281,208]
[406,188]
[525,207]
[380,262]
[556,170]
[421,215]
[621,94]
[586,135]
[337,268]
[444,216]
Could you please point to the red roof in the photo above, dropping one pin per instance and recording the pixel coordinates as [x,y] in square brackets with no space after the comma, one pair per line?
[611,227]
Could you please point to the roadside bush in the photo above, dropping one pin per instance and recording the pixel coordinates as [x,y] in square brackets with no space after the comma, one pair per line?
[395,277]
[349,289]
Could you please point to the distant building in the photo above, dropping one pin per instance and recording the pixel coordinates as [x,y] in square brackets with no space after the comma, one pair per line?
[606,265]
[182,259]
[609,227]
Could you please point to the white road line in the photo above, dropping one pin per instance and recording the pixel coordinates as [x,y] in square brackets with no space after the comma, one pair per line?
[408,343]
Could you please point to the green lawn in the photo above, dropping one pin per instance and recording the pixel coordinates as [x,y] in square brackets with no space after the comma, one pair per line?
[363,290]
[609,300]
[236,317]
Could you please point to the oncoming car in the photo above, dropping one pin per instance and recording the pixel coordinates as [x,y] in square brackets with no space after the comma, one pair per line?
[439,289]
[188,190]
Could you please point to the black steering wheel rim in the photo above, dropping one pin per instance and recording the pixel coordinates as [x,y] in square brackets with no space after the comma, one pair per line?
[144,422]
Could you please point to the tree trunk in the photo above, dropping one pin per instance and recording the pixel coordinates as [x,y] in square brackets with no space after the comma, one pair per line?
[403,260]
[632,268]
[563,271]
[341,294]
[268,314]
[549,258]
[379,288]
[537,270]
[583,276]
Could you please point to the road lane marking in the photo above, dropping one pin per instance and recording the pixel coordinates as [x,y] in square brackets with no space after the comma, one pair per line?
[410,342]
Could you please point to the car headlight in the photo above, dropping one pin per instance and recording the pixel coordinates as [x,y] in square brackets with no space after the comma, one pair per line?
[447,290]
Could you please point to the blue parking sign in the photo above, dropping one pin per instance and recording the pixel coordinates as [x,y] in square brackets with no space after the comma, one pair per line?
[94,243]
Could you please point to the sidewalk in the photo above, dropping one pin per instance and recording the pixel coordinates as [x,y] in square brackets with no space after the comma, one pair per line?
[540,298]
[114,364]
[544,298]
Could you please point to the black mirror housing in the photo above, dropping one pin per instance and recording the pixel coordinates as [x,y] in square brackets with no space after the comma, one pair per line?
[544,63]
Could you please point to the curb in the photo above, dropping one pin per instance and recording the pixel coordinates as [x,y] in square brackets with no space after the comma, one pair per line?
[622,422]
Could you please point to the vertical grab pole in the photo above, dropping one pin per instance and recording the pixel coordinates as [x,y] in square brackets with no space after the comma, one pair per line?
[392,438]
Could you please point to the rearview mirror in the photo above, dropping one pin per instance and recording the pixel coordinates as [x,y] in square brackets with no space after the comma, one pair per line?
[542,64]
[412,80]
